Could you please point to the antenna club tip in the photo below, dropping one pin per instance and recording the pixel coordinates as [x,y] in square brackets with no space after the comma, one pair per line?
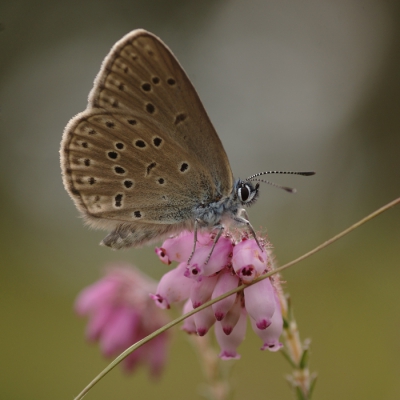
[308,173]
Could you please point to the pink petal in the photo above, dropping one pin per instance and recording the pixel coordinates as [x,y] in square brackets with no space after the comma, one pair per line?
[153,353]
[270,336]
[134,359]
[260,302]
[220,257]
[98,321]
[226,282]
[173,287]
[118,334]
[201,290]
[248,261]
[179,248]
[204,320]
[230,343]
[95,295]
[162,255]
[188,324]
[157,354]
[232,317]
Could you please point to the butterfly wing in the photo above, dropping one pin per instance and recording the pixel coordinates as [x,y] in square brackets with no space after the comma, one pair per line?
[144,152]
[142,74]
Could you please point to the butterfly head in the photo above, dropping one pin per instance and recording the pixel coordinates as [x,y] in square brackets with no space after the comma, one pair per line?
[246,192]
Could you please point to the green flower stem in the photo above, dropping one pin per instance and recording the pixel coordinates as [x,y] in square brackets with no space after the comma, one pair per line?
[296,353]
[236,290]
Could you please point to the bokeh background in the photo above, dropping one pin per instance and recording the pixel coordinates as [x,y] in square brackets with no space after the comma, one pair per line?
[288,85]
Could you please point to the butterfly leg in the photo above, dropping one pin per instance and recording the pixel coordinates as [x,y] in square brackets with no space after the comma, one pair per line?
[221,229]
[244,213]
[244,221]
[196,222]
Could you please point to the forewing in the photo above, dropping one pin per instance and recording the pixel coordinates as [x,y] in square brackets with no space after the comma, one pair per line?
[144,153]
[141,74]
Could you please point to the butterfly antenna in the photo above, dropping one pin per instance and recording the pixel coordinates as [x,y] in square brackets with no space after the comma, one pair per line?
[307,173]
[288,189]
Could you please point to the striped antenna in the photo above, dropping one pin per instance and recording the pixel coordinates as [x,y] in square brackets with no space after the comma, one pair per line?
[288,189]
[307,173]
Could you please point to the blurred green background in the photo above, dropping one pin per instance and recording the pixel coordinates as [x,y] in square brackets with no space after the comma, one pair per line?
[288,85]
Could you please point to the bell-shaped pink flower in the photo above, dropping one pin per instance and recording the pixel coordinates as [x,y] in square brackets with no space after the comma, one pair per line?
[220,257]
[152,352]
[99,319]
[156,354]
[226,282]
[270,336]
[95,294]
[121,313]
[248,260]
[180,247]
[189,325]
[232,317]
[204,320]
[173,287]
[230,343]
[116,334]
[201,290]
[260,302]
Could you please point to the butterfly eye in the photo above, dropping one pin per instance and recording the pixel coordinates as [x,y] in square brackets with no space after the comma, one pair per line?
[247,193]
[244,193]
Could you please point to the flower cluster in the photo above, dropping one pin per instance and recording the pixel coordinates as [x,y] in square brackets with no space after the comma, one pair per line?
[232,263]
[121,313]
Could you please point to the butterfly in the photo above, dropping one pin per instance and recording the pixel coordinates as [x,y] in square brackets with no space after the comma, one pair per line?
[143,160]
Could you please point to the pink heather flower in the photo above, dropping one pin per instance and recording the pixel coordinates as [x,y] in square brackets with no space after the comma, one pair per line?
[173,287]
[98,293]
[229,343]
[232,263]
[220,257]
[179,248]
[121,313]
[248,261]
[260,302]
[204,320]
[202,290]
[270,335]
[232,317]
[152,353]
[188,324]
[226,282]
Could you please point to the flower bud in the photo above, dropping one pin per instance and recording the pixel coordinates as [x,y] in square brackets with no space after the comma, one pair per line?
[230,343]
[248,261]
[220,257]
[201,290]
[226,282]
[173,287]
[204,320]
[270,336]
[260,302]
[188,324]
[232,317]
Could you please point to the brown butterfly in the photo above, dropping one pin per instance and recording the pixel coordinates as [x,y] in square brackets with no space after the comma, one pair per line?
[143,160]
